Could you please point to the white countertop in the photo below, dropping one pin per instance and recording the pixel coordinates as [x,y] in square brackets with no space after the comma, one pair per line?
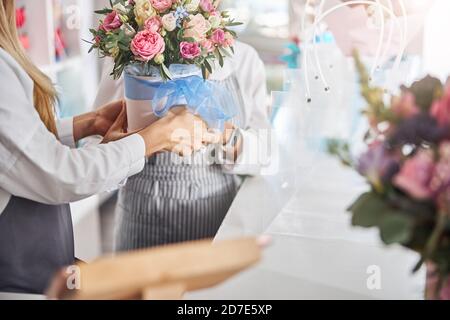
[315,254]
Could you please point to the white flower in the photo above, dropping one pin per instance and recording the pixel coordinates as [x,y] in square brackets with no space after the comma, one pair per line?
[143,10]
[120,8]
[215,21]
[169,22]
[192,6]
[159,59]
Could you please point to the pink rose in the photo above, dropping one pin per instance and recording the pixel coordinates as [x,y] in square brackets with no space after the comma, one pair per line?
[208,45]
[440,109]
[147,44]
[207,6]
[416,175]
[405,106]
[218,36]
[153,24]
[112,22]
[196,28]
[161,5]
[189,50]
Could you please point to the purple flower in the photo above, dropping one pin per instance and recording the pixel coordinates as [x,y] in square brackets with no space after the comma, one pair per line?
[378,165]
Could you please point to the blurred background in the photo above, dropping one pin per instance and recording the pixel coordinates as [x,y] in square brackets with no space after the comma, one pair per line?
[53,33]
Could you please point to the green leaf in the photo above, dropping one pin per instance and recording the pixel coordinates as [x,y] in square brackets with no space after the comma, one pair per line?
[204,72]
[233,24]
[396,228]
[208,66]
[368,210]
[103,11]
[220,57]
[165,72]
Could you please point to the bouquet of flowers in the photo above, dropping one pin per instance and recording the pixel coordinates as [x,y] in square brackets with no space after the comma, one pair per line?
[158,43]
[407,164]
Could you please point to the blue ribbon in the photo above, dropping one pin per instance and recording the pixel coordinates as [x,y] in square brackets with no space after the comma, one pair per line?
[207,99]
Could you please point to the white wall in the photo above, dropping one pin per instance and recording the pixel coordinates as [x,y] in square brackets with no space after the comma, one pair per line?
[437,40]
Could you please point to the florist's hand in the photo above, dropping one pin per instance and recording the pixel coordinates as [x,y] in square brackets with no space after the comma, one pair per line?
[106,116]
[179,131]
[118,130]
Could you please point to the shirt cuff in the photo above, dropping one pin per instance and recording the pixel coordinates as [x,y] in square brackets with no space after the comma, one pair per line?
[65,132]
[136,148]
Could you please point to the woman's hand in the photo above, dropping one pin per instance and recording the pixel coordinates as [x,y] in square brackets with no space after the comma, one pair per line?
[118,130]
[179,131]
[107,115]
[97,122]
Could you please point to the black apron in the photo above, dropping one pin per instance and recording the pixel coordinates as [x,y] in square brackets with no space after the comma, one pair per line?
[36,241]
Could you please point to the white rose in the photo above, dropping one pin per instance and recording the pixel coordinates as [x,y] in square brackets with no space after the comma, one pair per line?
[192,6]
[215,21]
[143,10]
[169,22]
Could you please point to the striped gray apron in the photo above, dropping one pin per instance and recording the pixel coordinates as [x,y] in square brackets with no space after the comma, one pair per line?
[171,202]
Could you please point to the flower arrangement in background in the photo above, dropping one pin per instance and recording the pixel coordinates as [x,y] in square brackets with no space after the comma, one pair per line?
[164,32]
[21,19]
[407,164]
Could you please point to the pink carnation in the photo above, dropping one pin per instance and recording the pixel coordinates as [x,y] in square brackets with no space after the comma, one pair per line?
[112,22]
[229,40]
[189,50]
[153,24]
[218,36]
[147,44]
[207,6]
[416,175]
[161,5]
[440,109]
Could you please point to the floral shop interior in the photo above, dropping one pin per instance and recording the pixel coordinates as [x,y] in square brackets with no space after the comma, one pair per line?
[327,180]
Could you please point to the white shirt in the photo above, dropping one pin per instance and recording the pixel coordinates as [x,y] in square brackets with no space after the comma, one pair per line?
[251,76]
[36,166]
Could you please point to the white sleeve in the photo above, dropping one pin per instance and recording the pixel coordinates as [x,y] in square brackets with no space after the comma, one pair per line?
[36,166]
[258,151]
[65,132]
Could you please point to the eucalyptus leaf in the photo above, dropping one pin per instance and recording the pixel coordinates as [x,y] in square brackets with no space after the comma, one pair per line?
[368,210]
[396,228]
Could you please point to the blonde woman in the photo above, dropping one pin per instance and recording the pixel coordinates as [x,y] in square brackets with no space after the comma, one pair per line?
[39,175]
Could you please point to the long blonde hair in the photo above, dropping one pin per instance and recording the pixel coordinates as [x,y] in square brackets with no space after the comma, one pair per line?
[44,93]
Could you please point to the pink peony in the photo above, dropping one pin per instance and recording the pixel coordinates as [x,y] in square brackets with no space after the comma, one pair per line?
[405,106]
[189,50]
[416,175]
[218,36]
[153,24]
[440,109]
[161,5]
[147,44]
[207,6]
[112,22]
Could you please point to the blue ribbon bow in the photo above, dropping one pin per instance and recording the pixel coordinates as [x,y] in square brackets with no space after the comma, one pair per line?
[207,99]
